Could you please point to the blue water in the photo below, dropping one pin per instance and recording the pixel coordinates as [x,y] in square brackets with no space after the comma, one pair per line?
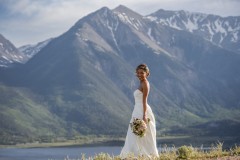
[55,153]
[64,153]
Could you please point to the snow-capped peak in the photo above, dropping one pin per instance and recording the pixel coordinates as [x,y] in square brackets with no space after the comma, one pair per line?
[128,16]
[9,54]
[219,30]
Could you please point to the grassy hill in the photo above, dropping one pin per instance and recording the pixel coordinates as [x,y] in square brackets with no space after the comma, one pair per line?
[25,116]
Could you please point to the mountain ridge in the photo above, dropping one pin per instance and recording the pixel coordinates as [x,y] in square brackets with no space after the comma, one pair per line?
[31,50]
[222,31]
[9,54]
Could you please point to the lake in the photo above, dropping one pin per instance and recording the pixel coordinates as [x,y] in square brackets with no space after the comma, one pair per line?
[55,153]
[62,153]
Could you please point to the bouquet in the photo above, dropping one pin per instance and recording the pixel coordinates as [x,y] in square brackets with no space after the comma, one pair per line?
[139,127]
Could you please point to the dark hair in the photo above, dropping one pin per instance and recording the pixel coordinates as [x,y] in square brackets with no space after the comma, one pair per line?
[144,67]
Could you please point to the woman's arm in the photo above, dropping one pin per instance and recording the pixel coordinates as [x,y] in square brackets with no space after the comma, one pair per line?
[145,89]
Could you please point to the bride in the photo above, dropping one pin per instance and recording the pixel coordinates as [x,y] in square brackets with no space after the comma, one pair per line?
[141,146]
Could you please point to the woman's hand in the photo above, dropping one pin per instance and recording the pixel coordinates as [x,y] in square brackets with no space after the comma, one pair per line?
[145,119]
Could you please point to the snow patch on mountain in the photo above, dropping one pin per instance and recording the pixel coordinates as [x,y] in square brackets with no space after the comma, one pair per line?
[31,50]
[149,34]
[130,20]
[190,25]
[112,34]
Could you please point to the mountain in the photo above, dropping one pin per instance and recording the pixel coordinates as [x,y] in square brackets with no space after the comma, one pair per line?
[85,78]
[221,31]
[31,50]
[9,54]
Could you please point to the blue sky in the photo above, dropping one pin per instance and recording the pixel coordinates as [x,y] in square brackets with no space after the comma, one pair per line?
[31,21]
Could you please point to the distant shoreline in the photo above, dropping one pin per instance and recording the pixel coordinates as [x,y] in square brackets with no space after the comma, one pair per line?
[169,141]
[70,143]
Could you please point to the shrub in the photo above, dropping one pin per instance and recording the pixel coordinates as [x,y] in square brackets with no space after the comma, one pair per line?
[185,152]
[235,151]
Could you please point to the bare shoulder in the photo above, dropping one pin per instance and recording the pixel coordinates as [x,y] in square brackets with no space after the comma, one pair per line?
[145,84]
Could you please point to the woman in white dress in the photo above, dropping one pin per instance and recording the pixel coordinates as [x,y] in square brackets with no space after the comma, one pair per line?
[141,146]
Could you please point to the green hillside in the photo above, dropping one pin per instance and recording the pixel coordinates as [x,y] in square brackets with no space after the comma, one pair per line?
[25,116]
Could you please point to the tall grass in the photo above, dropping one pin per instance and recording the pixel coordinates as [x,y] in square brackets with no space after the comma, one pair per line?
[216,152]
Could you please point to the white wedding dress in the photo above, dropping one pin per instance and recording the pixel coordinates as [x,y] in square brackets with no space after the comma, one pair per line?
[141,146]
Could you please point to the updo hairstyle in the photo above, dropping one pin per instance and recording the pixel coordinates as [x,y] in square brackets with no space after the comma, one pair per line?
[144,67]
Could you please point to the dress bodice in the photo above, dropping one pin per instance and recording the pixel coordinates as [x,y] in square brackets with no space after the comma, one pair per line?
[138,107]
[138,96]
